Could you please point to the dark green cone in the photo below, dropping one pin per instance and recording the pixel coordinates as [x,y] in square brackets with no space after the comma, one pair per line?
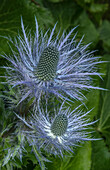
[59,126]
[47,66]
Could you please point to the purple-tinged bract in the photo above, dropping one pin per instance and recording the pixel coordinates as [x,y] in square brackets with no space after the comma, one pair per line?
[59,133]
[51,64]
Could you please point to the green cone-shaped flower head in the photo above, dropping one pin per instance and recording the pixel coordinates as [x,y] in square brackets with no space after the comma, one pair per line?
[59,125]
[47,66]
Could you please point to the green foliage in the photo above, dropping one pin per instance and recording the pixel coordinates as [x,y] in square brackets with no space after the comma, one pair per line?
[88,28]
[96,8]
[10,18]
[104,123]
[100,156]
[104,31]
[93,19]
[82,160]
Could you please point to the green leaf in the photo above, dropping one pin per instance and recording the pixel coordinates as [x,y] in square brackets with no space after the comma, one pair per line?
[100,156]
[105,34]
[88,28]
[93,102]
[7,158]
[2,112]
[105,110]
[10,18]
[81,160]
[63,13]
[55,1]
[88,1]
[94,8]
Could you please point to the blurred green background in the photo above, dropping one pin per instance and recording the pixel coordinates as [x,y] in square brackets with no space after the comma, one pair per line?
[93,18]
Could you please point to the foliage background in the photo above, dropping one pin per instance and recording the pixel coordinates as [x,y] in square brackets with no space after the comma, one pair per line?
[93,18]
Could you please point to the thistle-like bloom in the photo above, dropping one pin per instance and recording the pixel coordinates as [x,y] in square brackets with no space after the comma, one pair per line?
[60,132]
[42,64]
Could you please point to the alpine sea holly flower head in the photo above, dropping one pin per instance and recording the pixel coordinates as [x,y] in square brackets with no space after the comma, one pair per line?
[59,133]
[44,64]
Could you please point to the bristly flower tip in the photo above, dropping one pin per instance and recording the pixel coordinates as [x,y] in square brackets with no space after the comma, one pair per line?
[47,65]
[59,125]
[60,134]
[42,64]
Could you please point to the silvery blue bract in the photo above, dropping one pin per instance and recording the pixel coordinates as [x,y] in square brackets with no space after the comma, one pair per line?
[51,64]
[60,132]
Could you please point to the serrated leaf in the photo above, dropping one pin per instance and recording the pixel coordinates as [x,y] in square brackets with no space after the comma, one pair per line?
[105,34]
[104,121]
[87,27]
[81,160]
[7,158]
[105,111]
[91,103]
[100,156]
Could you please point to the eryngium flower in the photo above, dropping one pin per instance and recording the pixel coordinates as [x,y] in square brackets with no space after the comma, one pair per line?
[60,132]
[51,64]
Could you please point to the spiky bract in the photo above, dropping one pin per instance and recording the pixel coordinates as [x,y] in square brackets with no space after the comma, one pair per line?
[59,133]
[58,65]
